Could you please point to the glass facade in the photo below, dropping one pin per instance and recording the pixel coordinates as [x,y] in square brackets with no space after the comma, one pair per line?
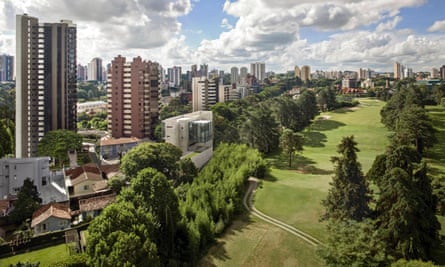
[200,132]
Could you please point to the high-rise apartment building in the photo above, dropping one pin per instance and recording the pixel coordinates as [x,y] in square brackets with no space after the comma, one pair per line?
[46,90]
[305,73]
[434,73]
[6,68]
[234,75]
[95,70]
[204,93]
[81,73]
[203,70]
[397,71]
[174,76]
[243,75]
[133,97]
[442,72]
[297,72]
[258,69]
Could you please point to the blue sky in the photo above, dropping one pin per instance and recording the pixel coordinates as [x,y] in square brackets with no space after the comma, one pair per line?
[334,35]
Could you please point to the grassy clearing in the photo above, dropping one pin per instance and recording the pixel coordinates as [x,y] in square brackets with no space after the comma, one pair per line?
[250,242]
[46,257]
[294,195]
[436,155]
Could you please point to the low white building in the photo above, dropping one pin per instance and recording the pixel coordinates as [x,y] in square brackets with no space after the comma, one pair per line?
[192,133]
[14,171]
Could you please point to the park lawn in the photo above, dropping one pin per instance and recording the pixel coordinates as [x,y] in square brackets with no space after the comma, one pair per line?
[294,196]
[251,242]
[46,256]
[435,156]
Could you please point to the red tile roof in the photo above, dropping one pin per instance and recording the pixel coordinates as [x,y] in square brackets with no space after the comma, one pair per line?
[50,210]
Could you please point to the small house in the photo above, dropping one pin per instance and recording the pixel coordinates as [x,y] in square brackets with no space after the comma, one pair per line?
[51,217]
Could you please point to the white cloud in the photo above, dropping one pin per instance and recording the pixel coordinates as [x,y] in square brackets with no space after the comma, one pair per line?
[359,33]
[225,24]
[389,25]
[105,25]
[438,26]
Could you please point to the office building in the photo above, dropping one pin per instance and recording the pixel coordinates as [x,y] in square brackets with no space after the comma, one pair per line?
[258,69]
[133,97]
[6,68]
[204,93]
[305,73]
[203,70]
[46,89]
[95,70]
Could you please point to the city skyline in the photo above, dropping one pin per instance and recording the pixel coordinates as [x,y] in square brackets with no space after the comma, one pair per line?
[338,35]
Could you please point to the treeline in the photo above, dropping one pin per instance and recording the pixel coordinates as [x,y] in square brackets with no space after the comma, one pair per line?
[402,225]
[7,119]
[154,224]
[258,120]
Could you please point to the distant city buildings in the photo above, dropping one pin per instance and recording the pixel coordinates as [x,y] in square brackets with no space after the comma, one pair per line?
[95,70]
[305,73]
[6,68]
[258,69]
[81,72]
[204,93]
[133,97]
[434,73]
[442,72]
[234,75]
[46,89]
[174,76]
[297,72]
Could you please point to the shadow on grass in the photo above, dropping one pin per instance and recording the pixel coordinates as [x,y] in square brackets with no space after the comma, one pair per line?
[314,139]
[322,124]
[435,109]
[218,250]
[300,164]
[439,252]
[342,110]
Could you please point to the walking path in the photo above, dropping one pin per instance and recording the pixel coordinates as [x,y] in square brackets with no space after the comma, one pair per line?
[247,201]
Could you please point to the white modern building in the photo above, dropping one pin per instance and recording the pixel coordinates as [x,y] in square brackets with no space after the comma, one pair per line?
[14,171]
[258,69]
[192,133]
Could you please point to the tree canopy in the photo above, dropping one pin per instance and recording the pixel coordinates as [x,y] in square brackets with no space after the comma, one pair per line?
[27,202]
[349,195]
[58,143]
[160,156]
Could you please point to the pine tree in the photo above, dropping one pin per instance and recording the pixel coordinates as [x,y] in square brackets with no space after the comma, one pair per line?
[348,197]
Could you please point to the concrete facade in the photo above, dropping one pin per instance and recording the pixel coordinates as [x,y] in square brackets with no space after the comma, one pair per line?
[13,173]
[204,93]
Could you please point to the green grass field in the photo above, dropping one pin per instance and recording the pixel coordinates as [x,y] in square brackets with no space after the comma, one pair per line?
[47,256]
[294,194]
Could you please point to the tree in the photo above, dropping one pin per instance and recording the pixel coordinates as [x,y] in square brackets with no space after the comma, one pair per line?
[187,171]
[58,143]
[308,104]
[352,243]
[348,196]
[160,156]
[261,130]
[415,127]
[290,143]
[151,191]
[27,202]
[6,144]
[122,236]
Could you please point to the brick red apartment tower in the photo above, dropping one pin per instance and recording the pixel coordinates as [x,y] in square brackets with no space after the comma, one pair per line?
[133,97]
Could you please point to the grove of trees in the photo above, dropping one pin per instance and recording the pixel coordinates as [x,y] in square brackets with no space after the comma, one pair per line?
[153,223]
[402,225]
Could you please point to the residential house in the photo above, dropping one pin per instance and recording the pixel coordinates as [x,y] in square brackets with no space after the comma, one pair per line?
[51,217]
[85,180]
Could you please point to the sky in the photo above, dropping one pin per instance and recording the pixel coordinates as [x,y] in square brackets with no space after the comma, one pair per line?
[326,35]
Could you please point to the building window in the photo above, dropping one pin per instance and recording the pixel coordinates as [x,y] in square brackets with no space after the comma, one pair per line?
[43,180]
[85,187]
[44,227]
